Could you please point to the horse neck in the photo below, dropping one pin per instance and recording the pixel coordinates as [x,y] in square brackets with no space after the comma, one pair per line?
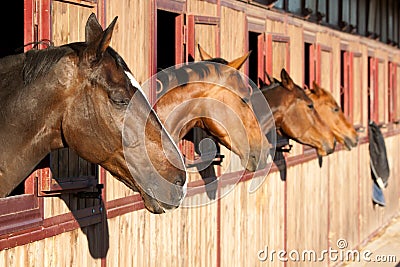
[28,131]
[178,110]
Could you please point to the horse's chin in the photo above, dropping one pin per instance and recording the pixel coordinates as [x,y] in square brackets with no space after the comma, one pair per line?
[155,206]
[321,153]
[325,151]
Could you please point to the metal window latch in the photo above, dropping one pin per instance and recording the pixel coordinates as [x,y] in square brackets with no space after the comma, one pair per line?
[95,194]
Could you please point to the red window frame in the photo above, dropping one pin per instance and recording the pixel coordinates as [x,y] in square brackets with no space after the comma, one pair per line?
[375,90]
[357,124]
[347,89]
[392,92]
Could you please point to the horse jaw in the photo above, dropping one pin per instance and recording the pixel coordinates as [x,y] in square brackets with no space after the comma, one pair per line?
[151,201]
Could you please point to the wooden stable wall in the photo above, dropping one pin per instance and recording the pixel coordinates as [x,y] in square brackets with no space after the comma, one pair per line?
[312,209]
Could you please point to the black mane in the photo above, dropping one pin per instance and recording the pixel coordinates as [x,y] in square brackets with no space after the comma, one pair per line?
[39,62]
[270,86]
[201,68]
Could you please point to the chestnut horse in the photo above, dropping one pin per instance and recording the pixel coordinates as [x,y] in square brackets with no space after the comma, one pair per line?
[333,116]
[296,116]
[204,95]
[76,96]
[293,112]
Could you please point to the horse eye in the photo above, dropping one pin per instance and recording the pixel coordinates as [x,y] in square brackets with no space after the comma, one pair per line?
[121,102]
[310,106]
[336,109]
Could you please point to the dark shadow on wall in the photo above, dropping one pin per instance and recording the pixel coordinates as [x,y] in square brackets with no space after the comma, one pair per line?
[93,222]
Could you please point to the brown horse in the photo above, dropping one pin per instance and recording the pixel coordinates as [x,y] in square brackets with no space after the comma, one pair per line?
[204,95]
[76,96]
[328,109]
[293,112]
[295,115]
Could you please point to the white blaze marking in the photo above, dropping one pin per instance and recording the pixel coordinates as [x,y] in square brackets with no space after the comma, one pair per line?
[135,83]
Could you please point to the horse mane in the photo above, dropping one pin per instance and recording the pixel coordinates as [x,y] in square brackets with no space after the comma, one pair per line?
[270,86]
[39,62]
[183,74]
[218,60]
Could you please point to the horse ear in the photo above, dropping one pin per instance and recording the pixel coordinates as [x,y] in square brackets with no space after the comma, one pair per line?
[286,80]
[106,40]
[261,82]
[97,47]
[93,29]
[316,89]
[270,79]
[203,54]
[307,89]
[237,63]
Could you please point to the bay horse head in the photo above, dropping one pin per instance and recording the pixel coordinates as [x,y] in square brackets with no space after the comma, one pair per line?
[204,94]
[77,95]
[296,116]
[333,116]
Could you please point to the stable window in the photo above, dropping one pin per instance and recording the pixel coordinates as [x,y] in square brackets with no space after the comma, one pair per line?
[22,208]
[357,92]
[324,69]
[203,30]
[256,43]
[177,45]
[277,54]
[256,66]
[381,92]
[64,171]
[277,57]
[373,88]
[320,70]
[351,86]
[345,85]
[309,61]
[309,54]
